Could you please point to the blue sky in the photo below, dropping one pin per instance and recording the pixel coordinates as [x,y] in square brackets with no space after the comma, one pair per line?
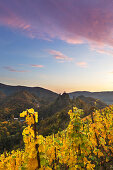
[48,50]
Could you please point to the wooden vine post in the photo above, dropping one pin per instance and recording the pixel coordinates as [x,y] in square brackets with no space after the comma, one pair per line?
[35,137]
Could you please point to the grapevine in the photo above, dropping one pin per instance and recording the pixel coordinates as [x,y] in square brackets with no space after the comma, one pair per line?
[87,143]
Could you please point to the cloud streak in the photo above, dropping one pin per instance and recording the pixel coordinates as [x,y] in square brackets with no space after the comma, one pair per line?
[14,70]
[37,66]
[103,50]
[59,56]
[82,64]
[73,21]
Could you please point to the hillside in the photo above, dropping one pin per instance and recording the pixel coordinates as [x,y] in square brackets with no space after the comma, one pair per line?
[105,96]
[56,116]
[39,92]
[53,117]
[88,104]
[49,96]
[15,99]
[14,104]
[2,96]
[60,103]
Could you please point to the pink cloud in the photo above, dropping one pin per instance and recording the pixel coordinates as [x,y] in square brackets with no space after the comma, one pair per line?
[72,21]
[38,66]
[108,52]
[82,64]
[59,56]
[14,70]
[103,50]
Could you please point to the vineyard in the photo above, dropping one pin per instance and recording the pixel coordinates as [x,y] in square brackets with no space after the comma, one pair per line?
[87,143]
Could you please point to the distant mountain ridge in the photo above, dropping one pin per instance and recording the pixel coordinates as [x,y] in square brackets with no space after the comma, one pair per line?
[39,92]
[52,108]
[48,95]
[105,96]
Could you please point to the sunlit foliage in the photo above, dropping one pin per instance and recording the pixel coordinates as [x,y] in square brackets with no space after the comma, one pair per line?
[87,143]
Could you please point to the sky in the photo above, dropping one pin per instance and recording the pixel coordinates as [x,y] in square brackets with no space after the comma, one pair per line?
[61,45]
